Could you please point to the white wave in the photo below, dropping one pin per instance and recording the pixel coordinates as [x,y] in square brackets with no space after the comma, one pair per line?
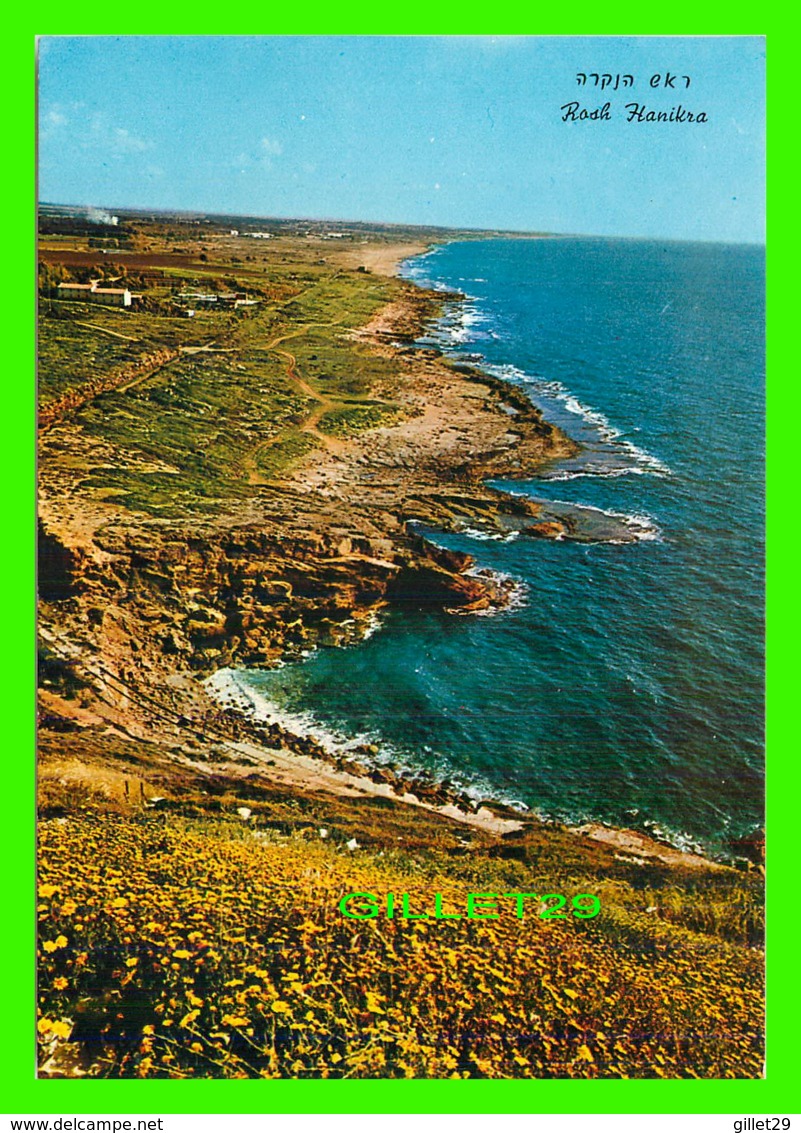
[414,266]
[643,527]
[608,433]
[679,839]
[228,687]
[372,624]
[509,371]
[231,688]
[489,536]
[516,591]
[459,326]
[595,470]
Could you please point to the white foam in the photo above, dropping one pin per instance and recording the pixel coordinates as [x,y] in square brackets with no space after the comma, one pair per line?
[489,536]
[231,689]
[644,461]
[679,839]
[372,624]
[516,591]
[643,527]
[460,324]
[596,470]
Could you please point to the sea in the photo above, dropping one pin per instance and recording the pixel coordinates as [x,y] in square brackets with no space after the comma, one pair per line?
[625,683]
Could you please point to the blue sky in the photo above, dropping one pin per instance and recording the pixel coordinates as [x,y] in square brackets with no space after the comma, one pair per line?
[461,131]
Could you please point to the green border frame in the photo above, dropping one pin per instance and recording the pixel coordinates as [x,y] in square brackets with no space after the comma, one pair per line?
[23,1093]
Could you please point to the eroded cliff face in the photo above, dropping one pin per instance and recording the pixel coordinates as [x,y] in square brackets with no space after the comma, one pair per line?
[152,602]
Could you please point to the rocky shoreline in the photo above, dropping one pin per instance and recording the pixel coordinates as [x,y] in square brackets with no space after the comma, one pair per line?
[141,609]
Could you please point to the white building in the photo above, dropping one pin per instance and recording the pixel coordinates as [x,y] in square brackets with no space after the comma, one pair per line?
[93,293]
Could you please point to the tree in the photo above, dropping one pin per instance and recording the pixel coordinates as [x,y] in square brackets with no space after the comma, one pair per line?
[50,275]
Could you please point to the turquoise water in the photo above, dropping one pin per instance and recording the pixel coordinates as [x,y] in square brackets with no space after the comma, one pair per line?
[627,686]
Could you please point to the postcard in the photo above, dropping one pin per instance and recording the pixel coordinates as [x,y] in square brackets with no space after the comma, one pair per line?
[401,558]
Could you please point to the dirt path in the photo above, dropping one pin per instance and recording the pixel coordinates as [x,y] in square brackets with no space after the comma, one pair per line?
[105,330]
[144,377]
[209,348]
[134,374]
[323,405]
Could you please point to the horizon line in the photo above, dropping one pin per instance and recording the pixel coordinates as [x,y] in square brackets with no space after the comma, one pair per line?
[521,232]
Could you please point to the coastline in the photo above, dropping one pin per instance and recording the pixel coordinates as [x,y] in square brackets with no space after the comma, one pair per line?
[492,816]
[387,259]
[433,463]
[248,827]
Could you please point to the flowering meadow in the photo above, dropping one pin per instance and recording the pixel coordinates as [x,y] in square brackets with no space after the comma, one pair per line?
[174,947]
